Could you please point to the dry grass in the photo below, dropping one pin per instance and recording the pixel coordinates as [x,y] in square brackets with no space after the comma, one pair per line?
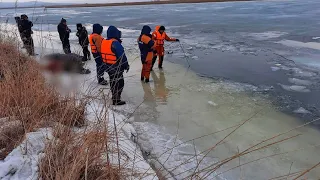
[77,156]
[27,102]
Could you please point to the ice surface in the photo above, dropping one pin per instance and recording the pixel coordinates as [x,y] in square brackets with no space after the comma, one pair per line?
[168,153]
[298,44]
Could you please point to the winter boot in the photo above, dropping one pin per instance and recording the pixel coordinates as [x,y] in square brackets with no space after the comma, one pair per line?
[85,71]
[142,78]
[147,80]
[103,82]
[118,102]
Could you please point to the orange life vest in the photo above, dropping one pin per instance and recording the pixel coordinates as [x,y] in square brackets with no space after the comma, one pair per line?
[106,51]
[92,43]
[160,38]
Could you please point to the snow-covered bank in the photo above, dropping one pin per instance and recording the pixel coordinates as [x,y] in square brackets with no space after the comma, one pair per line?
[23,161]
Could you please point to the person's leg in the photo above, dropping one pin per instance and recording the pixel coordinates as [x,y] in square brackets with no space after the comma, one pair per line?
[28,44]
[148,66]
[119,85]
[116,85]
[142,72]
[100,70]
[84,51]
[32,46]
[161,57]
[154,59]
[88,53]
[66,46]
[160,62]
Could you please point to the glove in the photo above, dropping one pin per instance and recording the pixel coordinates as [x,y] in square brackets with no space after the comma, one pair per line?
[144,62]
[177,40]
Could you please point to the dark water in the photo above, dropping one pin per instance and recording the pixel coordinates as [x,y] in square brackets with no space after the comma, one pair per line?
[238,41]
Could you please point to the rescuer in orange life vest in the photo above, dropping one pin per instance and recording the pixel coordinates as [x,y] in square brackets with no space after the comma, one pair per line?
[113,55]
[159,36]
[95,40]
[146,46]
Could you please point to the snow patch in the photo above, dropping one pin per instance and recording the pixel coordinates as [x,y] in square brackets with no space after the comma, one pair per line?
[212,103]
[22,162]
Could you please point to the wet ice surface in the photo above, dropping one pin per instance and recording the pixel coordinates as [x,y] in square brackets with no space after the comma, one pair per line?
[179,106]
[253,57]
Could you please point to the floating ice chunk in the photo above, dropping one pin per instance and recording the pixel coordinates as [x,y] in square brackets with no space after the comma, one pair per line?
[266,35]
[300,81]
[189,48]
[195,57]
[301,110]
[300,73]
[295,88]
[275,68]
[315,38]
[212,103]
[278,64]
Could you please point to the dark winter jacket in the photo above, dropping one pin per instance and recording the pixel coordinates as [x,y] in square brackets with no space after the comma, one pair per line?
[117,48]
[145,43]
[25,28]
[82,35]
[64,32]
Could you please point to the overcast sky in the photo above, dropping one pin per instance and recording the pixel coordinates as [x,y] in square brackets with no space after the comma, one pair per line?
[75,1]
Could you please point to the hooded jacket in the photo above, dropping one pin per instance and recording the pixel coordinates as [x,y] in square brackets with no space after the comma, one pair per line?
[82,35]
[97,29]
[64,31]
[118,50]
[146,44]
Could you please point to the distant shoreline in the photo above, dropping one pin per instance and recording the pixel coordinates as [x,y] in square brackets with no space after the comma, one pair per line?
[127,4]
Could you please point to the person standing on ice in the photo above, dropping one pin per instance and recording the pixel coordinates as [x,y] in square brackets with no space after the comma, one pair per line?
[146,46]
[95,40]
[112,53]
[159,36]
[64,33]
[24,26]
[82,35]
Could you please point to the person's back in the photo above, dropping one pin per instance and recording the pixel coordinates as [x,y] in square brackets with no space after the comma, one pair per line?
[25,32]
[95,40]
[64,33]
[146,46]
[82,35]
[112,53]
